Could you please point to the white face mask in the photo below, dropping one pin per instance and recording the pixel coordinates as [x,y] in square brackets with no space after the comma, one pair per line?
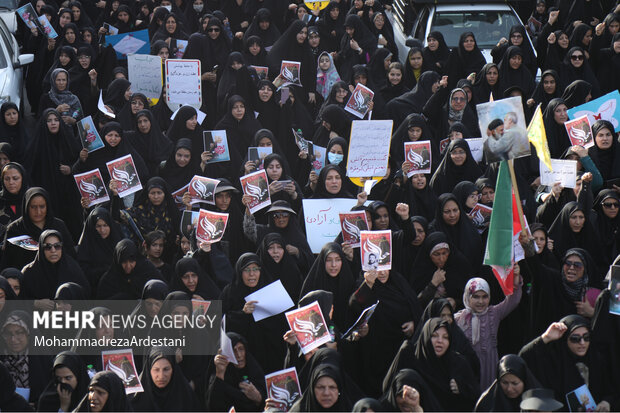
[335,158]
[198,7]
[169,8]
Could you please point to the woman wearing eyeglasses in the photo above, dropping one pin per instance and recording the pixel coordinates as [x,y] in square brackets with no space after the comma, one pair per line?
[50,269]
[264,337]
[574,66]
[562,360]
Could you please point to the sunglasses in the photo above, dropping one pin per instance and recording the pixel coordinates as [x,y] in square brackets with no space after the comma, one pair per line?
[577,57]
[213,29]
[280,215]
[575,264]
[49,247]
[610,204]
[458,99]
[577,339]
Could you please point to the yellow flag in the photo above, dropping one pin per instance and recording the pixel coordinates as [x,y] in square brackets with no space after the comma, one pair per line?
[537,136]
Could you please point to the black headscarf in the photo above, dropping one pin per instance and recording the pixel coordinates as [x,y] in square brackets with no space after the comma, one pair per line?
[178,129]
[606,160]
[482,89]
[364,38]
[308,401]
[233,295]
[176,396]
[376,68]
[462,191]
[49,400]
[576,93]
[494,399]
[437,60]
[286,270]
[175,176]
[269,36]
[342,286]
[557,137]
[448,174]
[339,122]
[321,191]
[401,135]
[234,82]
[608,229]
[153,146]
[115,94]
[95,253]
[116,284]
[42,278]
[414,101]
[461,62]
[409,377]
[205,288]
[540,96]
[179,32]
[287,48]
[16,135]
[126,117]
[509,77]
[117,400]
[570,73]
[239,133]
[10,203]
[327,25]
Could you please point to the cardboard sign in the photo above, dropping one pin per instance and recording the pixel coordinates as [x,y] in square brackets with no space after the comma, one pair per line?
[606,107]
[123,171]
[309,326]
[476,148]
[322,221]
[376,250]
[359,101]
[369,148]
[202,189]
[91,186]
[122,364]
[579,131]
[145,74]
[419,155]
[89,137]
[129,43]
[351,224]
[183,83]
[564,171]
[283,388]
[211,226]
[256,185]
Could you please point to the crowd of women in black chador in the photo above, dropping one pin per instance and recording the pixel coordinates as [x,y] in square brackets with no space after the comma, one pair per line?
[436,326]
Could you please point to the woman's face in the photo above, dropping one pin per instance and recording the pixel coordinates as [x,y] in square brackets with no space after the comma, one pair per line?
[64,59]
[420,234]
[123,16]
[446,314]
[479,301]
[84,61]
[280,219]
[87,36]
[326,392]
[274,170]
[415,60]
[455,135]
[418,181]
[265,93]
[604,138]
[4,160]
[236,65]
[515,62]
[164,53]
[440,339]
[191,123]
[379,21]
[303,34]
[560,114]
[334,13]
[333,264]
[16,338]
[239,350]
[238,110]
[113,138]
[451,213]
[341,93]
[214,32]
[395,76]
[156,196]
[136,105]
[576,221]
[265,142]
[336,148]
[182,157]
[70,35]
[161,373]
[144,124]
[414,133]
[540,238]
[156,249]
[492,75]
[472,199]
[37,210]
[61,81]
[39,5]
[64,19]
[573,268]
[251,275]
[190,280]
[579,341]
[433,44]
[222,200]
[382,220]
[276,252]
[324,63]
[458,101]
[610,207]
[52,249]
[65,375]
[254,48]
[13,179]
[576,58]
[97,398]
[128,92]
[102,228]
[128,266]
[488,195]
[185,245]
[458,156]
[549,84]
[152,306]
[469,43]
[333,182]
[516,39]
[587,38]
[563,41]
[512,386]
[440,257]
[171,25]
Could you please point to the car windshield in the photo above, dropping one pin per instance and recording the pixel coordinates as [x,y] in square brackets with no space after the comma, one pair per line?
[8,4]
[488,26]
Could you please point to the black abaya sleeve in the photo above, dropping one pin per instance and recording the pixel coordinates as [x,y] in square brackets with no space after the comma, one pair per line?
[221,396]
[433,107]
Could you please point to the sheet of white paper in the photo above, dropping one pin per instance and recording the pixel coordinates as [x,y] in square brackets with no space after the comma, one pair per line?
[145,74]
[201,115]
[102,108]
[129,44]
[564,171]
[369,184]
[272,299]
[226,344]
[475,146]
[369,148]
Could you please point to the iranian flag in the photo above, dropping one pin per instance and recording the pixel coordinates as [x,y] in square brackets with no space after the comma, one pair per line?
[503,247]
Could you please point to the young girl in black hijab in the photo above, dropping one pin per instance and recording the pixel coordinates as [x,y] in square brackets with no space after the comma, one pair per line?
[548,88]
[68,370]
[178,170]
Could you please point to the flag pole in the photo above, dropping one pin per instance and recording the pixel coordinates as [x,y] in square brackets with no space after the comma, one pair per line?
[513,178]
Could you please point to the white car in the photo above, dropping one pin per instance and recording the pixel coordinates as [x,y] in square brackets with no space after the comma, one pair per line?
[11,67]
[488,21]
